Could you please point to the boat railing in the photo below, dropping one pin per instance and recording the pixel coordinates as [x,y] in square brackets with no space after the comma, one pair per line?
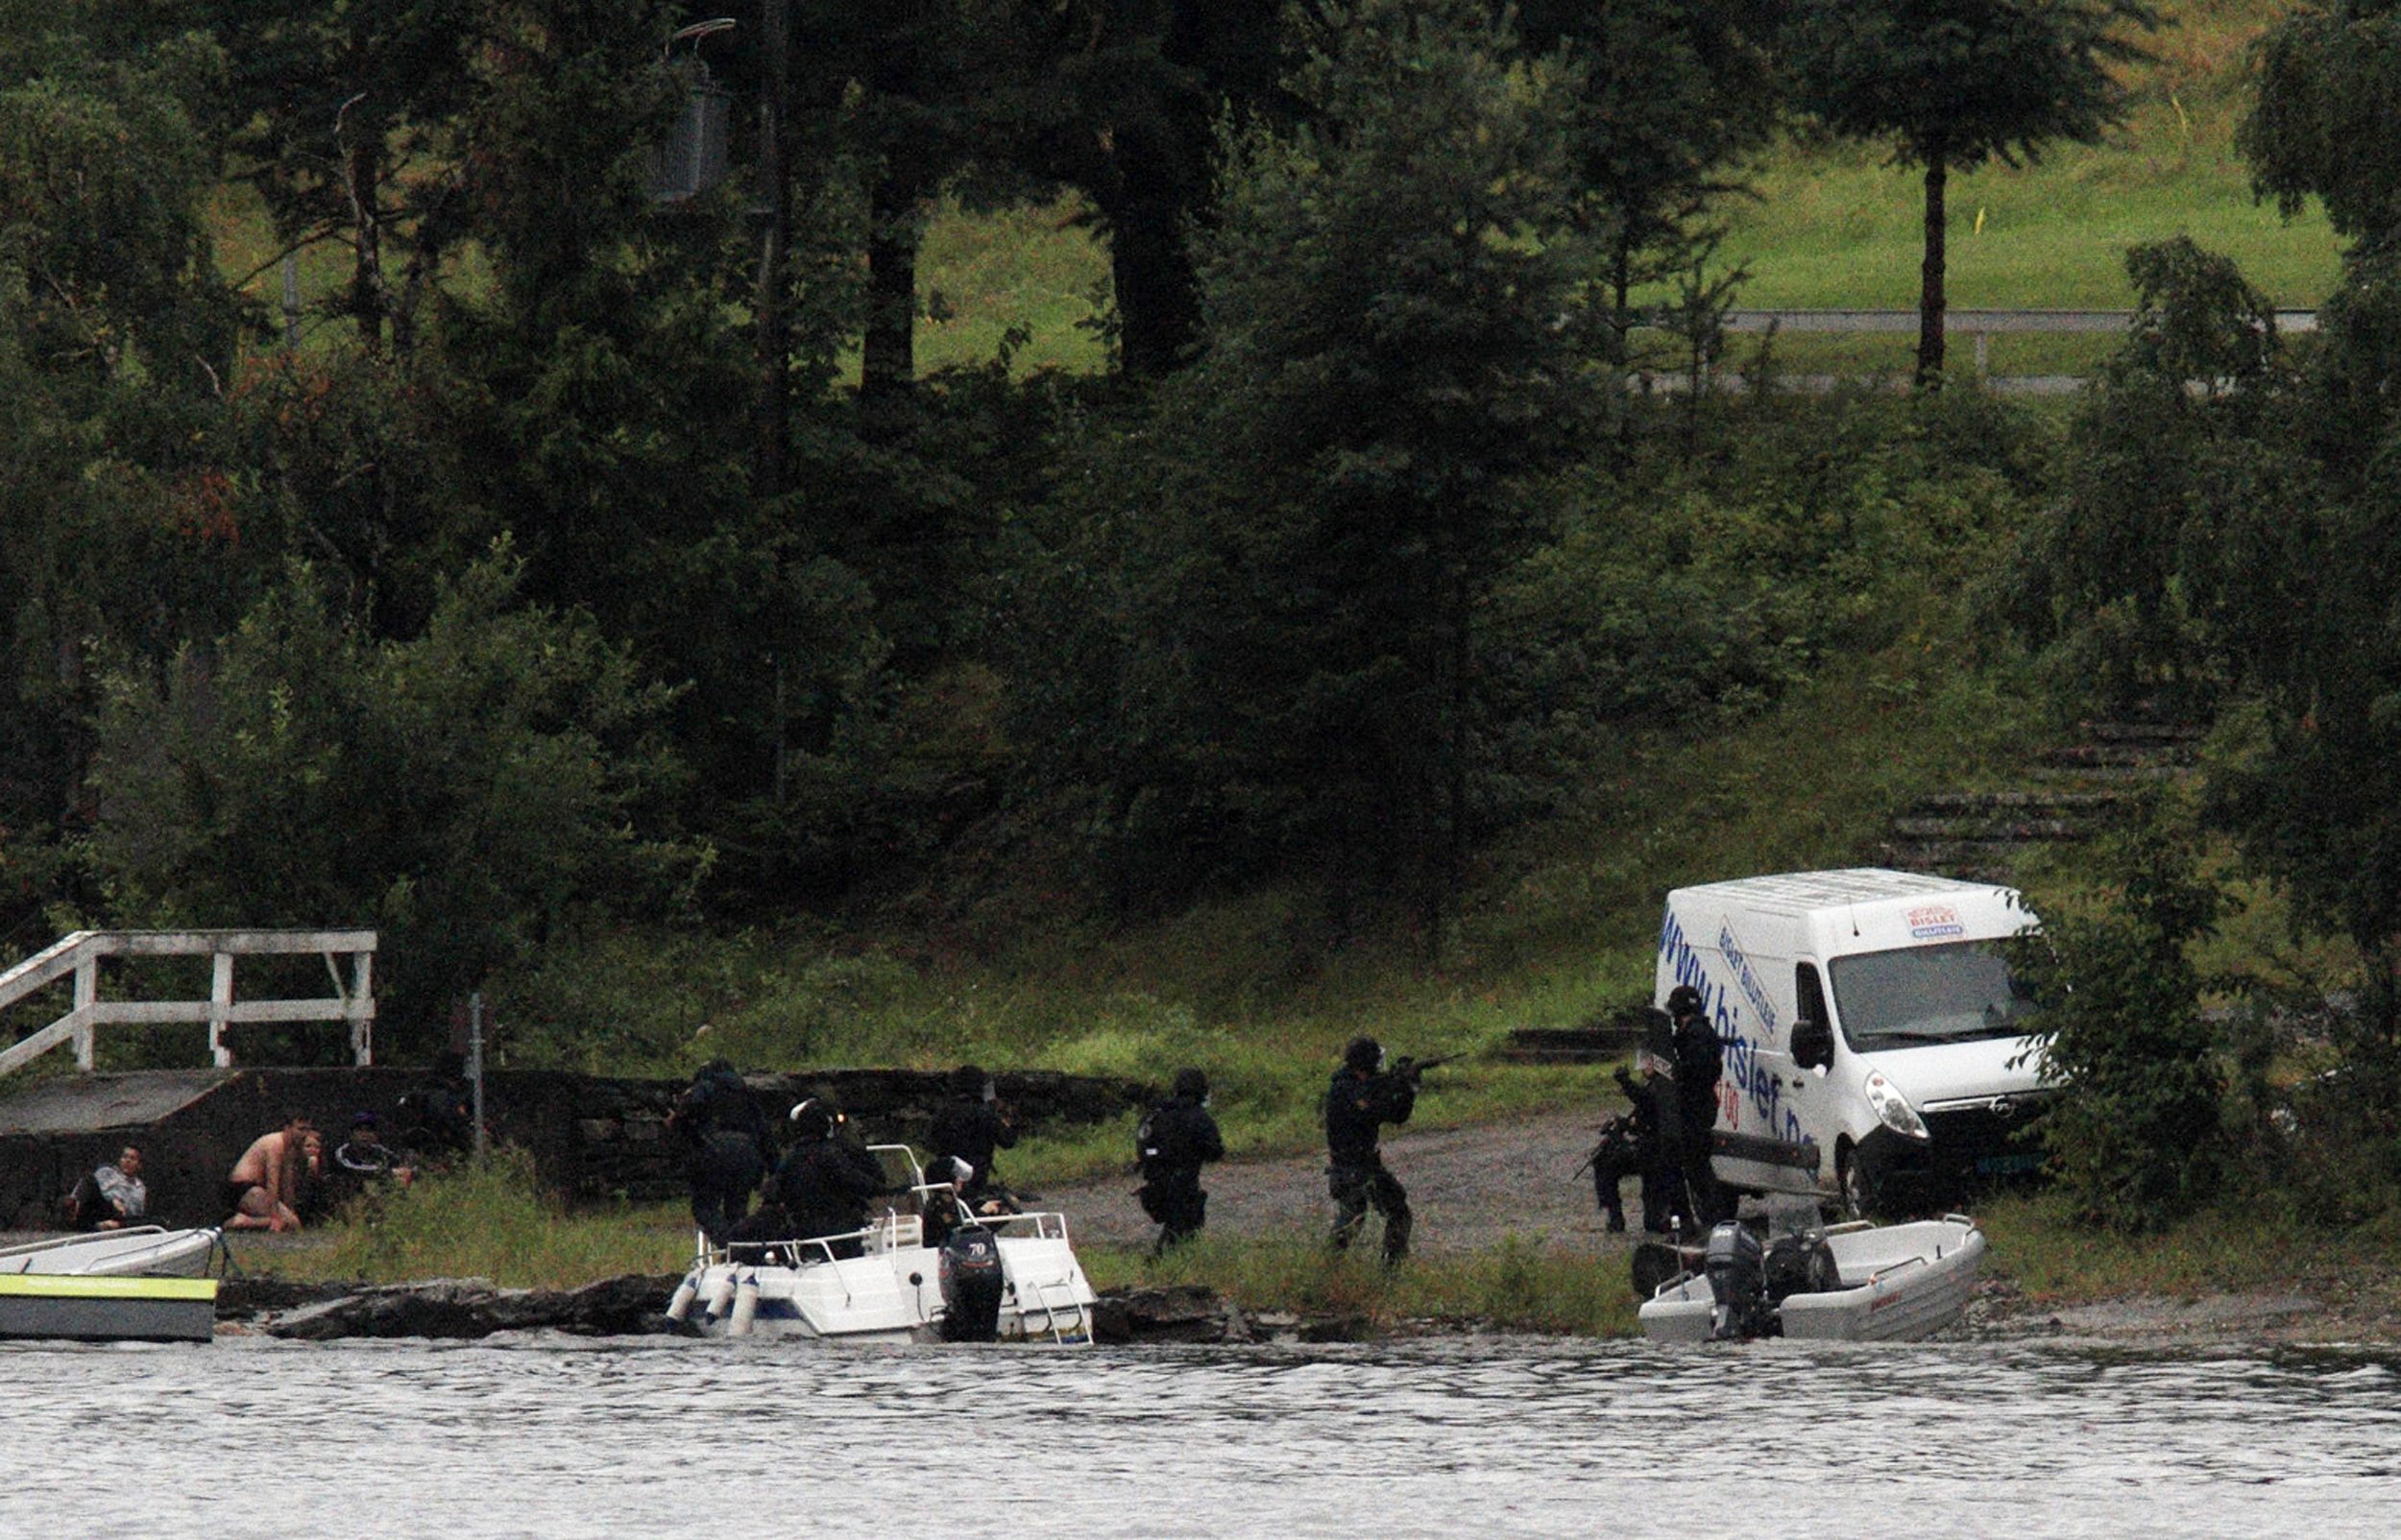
[1881,1274]
[83,1238]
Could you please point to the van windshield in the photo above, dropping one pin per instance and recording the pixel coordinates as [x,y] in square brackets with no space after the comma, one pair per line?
[1954,993]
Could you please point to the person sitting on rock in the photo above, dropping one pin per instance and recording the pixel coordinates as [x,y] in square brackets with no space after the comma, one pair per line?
[264,1187]
[110,1197]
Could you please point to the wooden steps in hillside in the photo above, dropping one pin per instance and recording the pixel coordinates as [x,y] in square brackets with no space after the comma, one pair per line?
[2075,792]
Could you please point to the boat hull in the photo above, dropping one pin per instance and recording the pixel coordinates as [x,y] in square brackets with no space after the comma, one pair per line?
[104,1309]
[1902,1283]
[891,1295]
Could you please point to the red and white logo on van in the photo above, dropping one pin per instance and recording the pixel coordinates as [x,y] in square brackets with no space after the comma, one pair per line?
[1934,920]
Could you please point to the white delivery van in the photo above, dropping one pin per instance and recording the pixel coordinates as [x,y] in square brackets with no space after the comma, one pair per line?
[1879,1050]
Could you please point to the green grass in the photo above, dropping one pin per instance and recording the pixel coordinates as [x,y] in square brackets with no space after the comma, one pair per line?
[487,1220]
[1517,1284]
[2038,1246]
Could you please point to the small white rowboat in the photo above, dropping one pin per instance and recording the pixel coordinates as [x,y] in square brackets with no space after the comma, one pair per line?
[1895,1283]
[146,1250]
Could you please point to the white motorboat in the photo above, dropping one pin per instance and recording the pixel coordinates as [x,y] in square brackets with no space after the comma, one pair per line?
[974,1277]
[146,1250]
[1858,1282]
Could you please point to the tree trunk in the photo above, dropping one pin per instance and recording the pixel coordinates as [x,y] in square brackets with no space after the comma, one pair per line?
[362,172]
[1150,270]
[1931,303]
[773,340]
[888,370]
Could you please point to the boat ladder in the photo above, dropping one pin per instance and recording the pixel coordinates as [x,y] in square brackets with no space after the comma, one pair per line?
[1049,1297]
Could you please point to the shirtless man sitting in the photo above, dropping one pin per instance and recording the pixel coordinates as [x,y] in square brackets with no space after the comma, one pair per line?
[264,1185]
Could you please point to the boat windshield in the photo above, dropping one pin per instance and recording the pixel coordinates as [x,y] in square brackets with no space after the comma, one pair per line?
[1957,992]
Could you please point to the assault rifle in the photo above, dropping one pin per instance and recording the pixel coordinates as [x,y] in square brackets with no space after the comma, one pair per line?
[1413,1070]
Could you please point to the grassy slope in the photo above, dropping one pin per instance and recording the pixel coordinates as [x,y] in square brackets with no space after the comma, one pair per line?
[1836,227]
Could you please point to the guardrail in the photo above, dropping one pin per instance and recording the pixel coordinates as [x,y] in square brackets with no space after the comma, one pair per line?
[80,954]
[1981,325]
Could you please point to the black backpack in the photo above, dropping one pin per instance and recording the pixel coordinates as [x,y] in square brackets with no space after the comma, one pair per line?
[1158,1142]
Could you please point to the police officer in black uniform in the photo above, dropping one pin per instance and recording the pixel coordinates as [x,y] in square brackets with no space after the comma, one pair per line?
[1700,1063]
[1175,1137]
[728,1148]
[1362,1096]
[825,1179]
[966,1130]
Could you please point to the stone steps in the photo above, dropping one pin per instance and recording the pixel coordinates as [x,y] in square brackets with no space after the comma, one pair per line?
[2074,793]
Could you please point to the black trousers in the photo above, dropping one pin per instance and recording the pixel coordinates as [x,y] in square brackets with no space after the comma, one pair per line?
[1179,1206]
[1357,1189]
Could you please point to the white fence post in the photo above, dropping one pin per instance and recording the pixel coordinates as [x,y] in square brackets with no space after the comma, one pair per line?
[362,1015]
[87,995]
[219,1007]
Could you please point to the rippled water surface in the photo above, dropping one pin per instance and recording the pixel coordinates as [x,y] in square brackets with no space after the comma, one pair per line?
[555,1437]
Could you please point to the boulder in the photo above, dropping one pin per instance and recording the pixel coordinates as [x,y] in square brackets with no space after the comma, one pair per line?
[470,1307]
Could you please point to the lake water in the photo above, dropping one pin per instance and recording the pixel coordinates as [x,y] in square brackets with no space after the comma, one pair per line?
[548,1436]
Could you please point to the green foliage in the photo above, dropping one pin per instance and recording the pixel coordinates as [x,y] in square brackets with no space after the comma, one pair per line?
[1295,550]
[1962,81]
[489,1220]
[461,791]
[2326,76]
[2135,1132]
[1953,84]
[2136,577]
[1674,95]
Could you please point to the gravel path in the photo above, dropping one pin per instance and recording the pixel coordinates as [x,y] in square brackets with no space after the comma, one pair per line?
[1469,1188]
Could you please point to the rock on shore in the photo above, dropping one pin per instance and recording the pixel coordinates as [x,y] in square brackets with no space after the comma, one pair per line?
[454,1307]
[636,1306]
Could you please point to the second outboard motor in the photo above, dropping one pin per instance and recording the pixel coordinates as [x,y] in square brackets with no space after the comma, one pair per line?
[1737,1278]
[1799,1264]
[971,1285]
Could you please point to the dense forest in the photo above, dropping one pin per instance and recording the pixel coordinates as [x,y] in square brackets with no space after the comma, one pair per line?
[596,550]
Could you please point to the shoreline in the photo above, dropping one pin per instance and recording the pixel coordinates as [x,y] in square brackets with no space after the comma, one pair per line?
[2320,1311]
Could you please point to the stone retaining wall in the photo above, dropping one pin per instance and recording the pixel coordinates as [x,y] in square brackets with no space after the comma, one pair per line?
[590,1138]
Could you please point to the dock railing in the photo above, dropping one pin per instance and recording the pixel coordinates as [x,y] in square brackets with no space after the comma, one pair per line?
[80,954]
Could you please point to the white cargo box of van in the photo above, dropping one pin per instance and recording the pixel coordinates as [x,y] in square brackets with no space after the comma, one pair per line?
[1879,1047]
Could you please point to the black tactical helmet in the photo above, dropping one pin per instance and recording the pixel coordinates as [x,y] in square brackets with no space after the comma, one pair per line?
[1191,1083]
[813,1120]
[1683,1000]
[1365,1054]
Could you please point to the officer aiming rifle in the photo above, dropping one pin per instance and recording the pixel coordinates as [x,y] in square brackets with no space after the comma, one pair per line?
[1362,1097]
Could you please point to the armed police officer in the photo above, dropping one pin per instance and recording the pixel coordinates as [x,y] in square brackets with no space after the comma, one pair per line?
[1174,1138]
[728,1148]
[1700,1062]
[966,1130]
[825,1179]
[1362,1097]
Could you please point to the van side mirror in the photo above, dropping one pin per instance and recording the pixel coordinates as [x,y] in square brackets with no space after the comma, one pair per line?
[1812,1043]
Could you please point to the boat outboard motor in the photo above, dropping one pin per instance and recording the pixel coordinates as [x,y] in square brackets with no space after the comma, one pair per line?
[971,1285]
[1799,1264]
[1738,1279]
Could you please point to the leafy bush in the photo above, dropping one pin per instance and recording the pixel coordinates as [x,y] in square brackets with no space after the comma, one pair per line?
[2136,1139]
[461,791]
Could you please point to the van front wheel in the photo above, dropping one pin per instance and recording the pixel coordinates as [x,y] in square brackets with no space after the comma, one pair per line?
[1860,1198]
